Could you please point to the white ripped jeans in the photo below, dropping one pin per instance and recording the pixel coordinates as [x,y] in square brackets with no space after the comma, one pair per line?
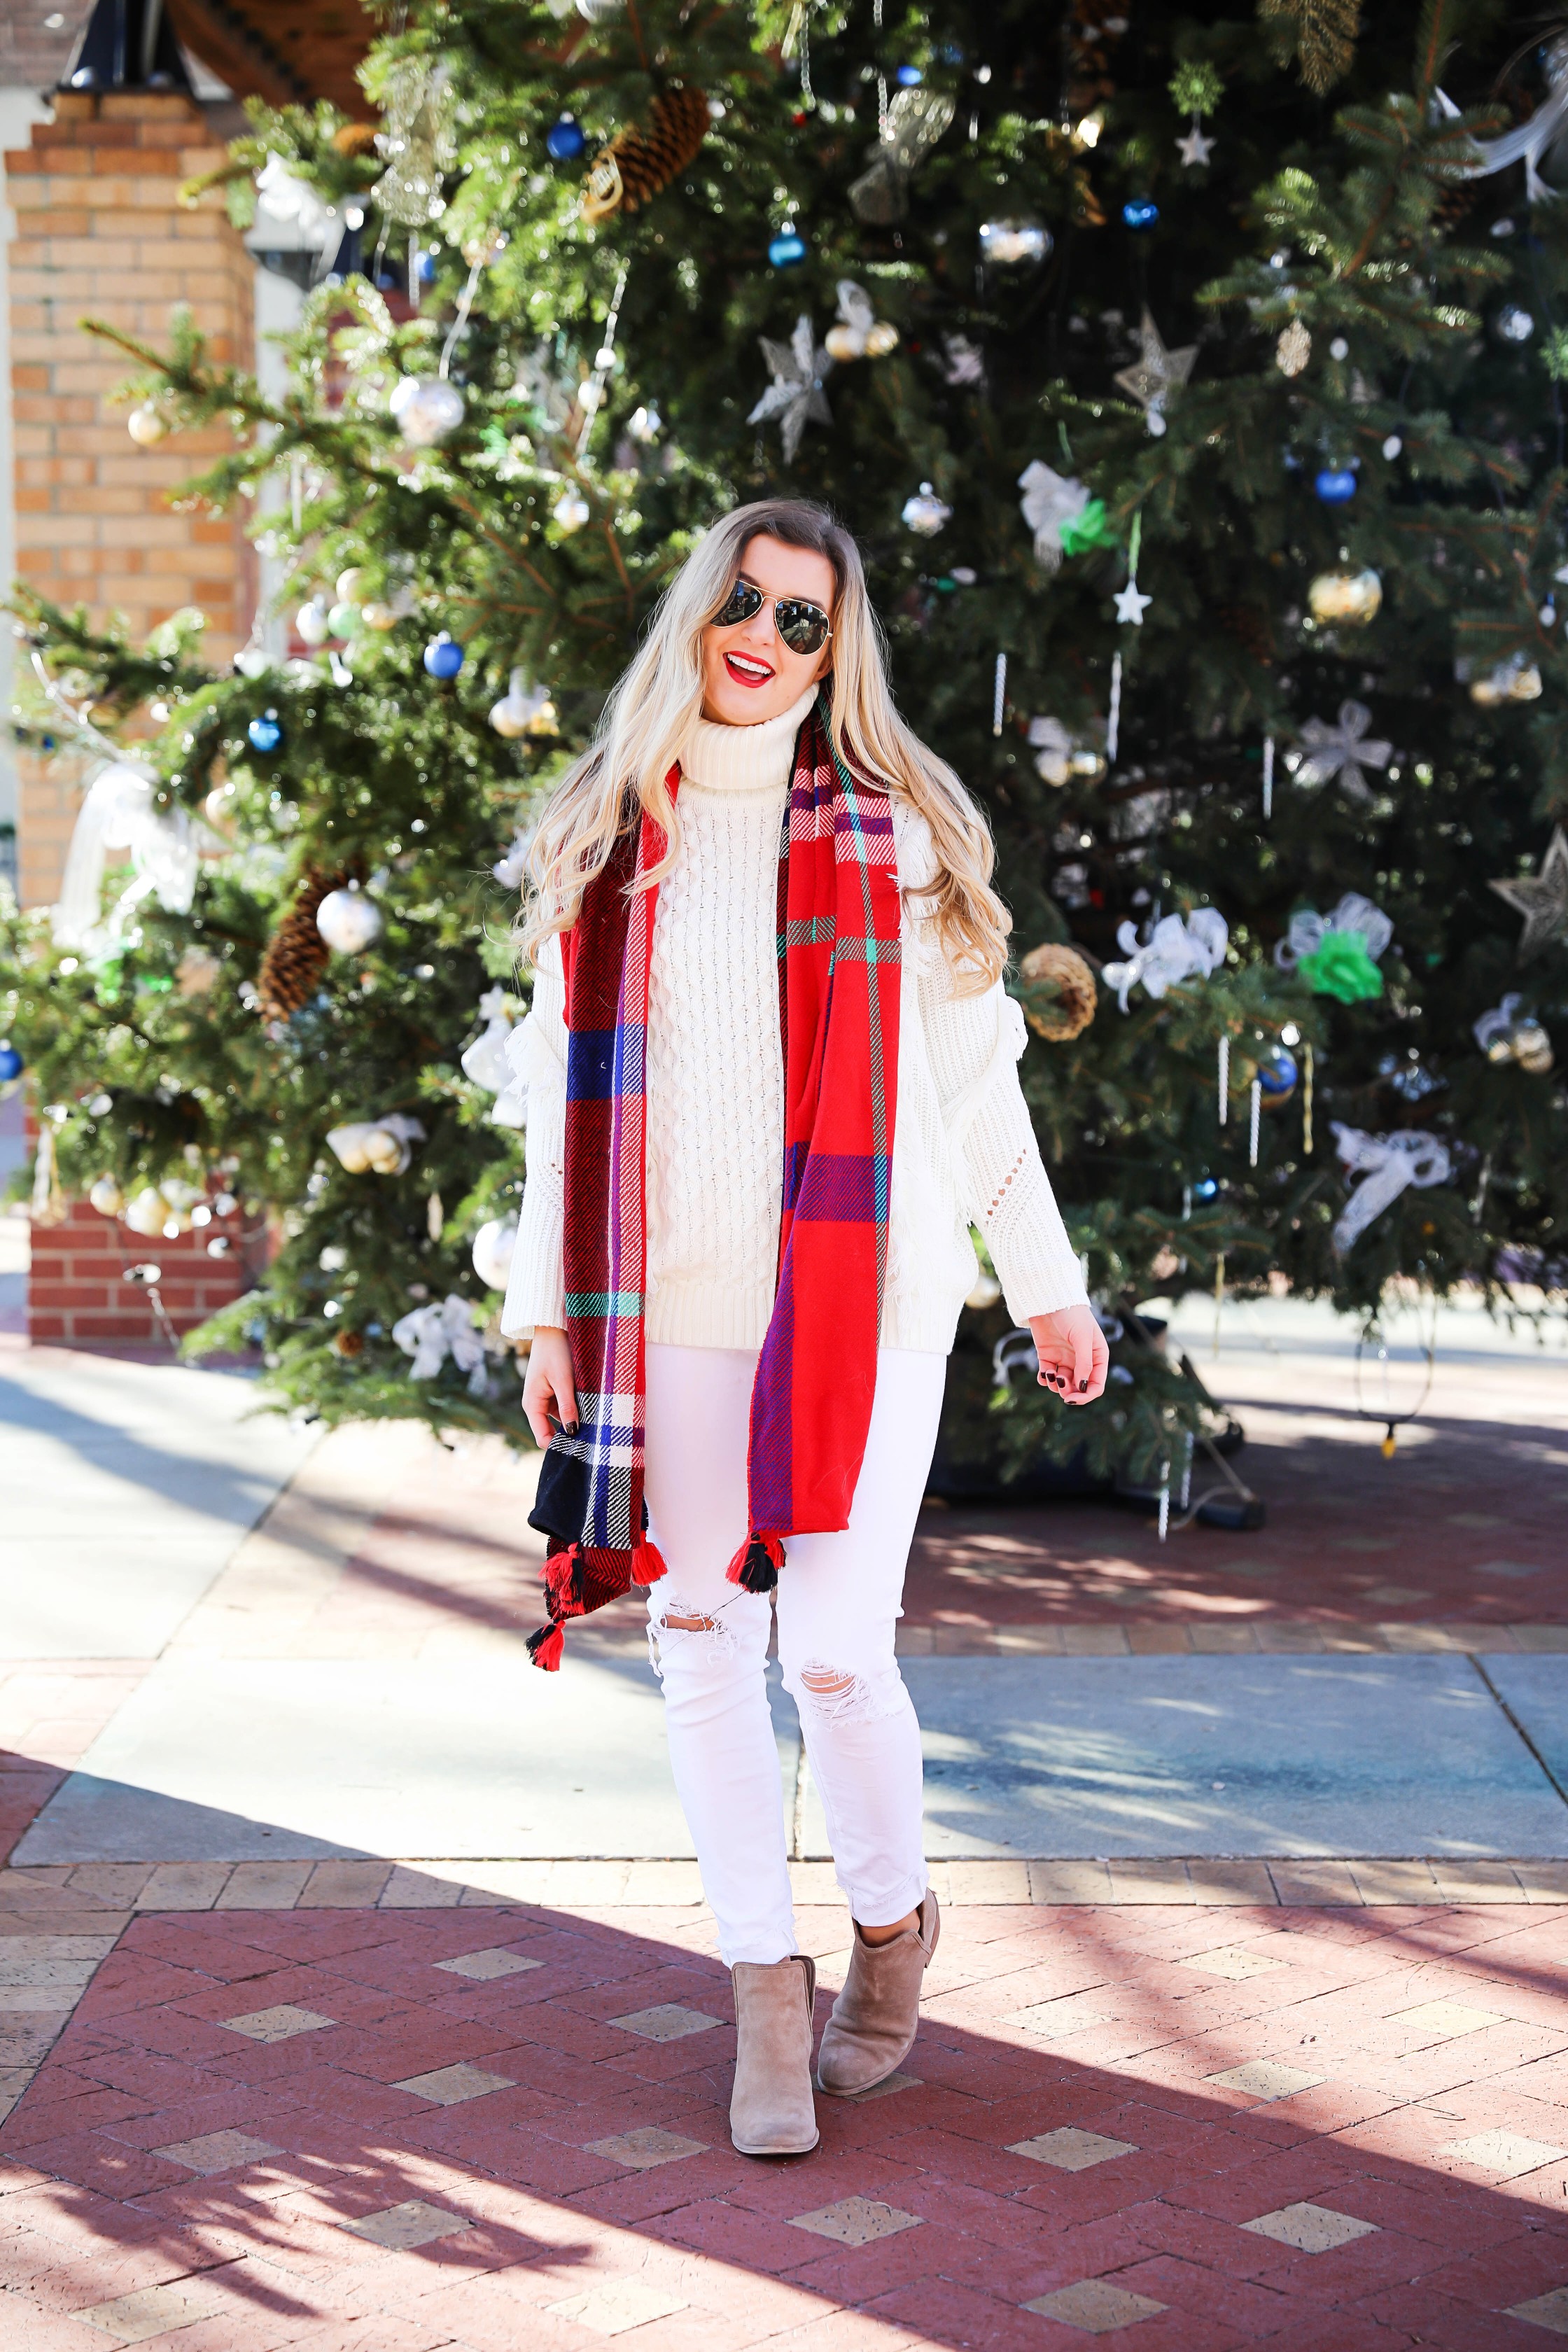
[837,1602]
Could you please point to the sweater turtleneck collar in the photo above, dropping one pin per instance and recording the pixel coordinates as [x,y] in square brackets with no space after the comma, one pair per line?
[745,759]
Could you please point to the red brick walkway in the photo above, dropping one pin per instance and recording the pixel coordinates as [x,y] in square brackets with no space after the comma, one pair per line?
[1191,2128]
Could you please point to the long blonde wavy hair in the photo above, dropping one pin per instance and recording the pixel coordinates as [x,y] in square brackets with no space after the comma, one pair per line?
[649,718]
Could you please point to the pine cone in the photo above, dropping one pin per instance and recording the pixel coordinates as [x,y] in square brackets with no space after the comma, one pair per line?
[296,953]
[637,165]
[1072,1010]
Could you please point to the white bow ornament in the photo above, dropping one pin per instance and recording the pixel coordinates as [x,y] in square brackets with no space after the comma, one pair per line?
[1174,952]
[1049,501]
[1308,929]
[118,814]
[1386,1164]
[430,1334]
[485,1061]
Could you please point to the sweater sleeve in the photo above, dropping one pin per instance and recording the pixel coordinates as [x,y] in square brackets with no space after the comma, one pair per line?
[973,1044]
[535,1291]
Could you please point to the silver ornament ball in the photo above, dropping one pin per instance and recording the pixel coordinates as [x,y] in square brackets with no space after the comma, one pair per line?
[425,409]
[348,921]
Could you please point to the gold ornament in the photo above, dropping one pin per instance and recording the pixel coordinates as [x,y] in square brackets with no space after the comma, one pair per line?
[106,1197]
[377,615]
[1293,350]
[1348,597]
[1514,681]
[637,165]
[1068,1012]
[858,334]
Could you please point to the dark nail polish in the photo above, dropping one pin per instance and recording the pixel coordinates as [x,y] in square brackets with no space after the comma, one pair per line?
[570,1429]
[1082,1386]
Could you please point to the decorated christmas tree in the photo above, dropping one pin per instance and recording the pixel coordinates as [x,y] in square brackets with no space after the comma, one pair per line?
[1195,390]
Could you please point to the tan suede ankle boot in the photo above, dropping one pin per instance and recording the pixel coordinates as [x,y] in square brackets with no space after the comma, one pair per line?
[771,2109]
[872,2029]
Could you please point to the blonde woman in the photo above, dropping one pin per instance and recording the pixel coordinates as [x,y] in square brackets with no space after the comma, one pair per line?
[771,1084]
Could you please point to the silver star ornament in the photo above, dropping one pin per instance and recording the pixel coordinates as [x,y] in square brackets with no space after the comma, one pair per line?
[1132,603]
[1541,898]
[795,396]
[1194,148]
[1155,373]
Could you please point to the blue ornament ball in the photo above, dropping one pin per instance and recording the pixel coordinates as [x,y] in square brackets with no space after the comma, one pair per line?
[10,1064]
[266,733]
[787,248]
[566,139]
[443,656]
[1335,484]
[1141,212]
[1277,1074]
[909,77]
[1206,1188]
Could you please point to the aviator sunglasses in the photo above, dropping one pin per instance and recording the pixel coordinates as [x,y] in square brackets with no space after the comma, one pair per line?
[804,628]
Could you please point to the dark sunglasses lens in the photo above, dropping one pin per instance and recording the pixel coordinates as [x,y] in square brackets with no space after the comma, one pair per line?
[742,601]
[802,627]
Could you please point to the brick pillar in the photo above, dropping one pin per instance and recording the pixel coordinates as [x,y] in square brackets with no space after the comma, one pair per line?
[101,234]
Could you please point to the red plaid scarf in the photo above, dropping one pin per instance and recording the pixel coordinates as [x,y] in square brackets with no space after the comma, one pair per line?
[838,944]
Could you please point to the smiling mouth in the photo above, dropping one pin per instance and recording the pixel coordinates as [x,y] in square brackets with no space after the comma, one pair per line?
[747,672]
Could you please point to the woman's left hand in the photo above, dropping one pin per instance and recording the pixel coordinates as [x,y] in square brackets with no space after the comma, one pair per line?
[1074,1358]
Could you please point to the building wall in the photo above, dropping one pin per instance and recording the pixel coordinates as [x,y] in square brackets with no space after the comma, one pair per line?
[19,109]
[100,233]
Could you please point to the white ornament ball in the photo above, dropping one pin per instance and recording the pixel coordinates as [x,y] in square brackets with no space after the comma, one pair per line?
[925,512]
[147,1213]
[349,584]
[106,1197]
[1014,244]
[146,425]
[1391,446]
[348,921]
[426,408]
[571,510]
[310,622]
[517,708]
[493,1246]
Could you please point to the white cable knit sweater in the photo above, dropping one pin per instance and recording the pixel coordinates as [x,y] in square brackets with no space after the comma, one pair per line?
[963,1149]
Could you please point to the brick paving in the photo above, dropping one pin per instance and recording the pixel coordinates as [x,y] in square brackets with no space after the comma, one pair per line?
[1315,2128]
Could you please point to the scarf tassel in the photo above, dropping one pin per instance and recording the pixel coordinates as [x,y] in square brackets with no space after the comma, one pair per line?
[755,1567]
[546,1647]
[648,1563]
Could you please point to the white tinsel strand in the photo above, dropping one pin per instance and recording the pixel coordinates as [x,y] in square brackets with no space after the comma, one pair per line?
[999,694]
[1224,1080]
[1268,776]
[1257,1122]
[1113,720]
[1165,1501]
[604,362]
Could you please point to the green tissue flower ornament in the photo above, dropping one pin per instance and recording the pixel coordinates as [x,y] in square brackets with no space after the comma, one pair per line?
[1342,967]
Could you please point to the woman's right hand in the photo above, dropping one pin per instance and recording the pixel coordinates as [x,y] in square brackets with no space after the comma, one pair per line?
[548,1389]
